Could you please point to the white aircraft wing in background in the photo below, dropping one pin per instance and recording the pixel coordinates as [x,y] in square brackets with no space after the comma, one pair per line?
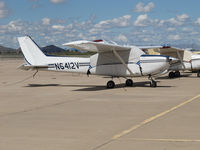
[182,55]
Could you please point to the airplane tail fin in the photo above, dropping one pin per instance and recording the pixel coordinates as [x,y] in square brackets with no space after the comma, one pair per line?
[31,51]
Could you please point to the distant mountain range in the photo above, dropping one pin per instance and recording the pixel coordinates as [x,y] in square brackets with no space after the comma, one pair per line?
[49,50]
[46,49]
[52,49]
[6,49]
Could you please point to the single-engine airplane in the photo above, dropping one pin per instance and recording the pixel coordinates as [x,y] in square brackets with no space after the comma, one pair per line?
[110,60]
[181,59]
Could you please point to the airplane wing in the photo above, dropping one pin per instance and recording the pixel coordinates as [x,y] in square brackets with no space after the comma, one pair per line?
[96,46]
[181,54]
[100,46]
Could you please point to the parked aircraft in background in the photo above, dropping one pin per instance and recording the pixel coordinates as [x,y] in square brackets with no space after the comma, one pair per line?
[181,59]
[111,60]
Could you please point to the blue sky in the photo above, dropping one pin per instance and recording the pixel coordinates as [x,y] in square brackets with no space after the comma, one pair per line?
[134,22]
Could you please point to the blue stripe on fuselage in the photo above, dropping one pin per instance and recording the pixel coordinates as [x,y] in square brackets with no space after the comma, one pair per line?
[145,55]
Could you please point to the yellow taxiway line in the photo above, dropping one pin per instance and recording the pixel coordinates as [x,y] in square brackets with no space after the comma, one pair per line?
[163,140]
[133,128]
[125,132]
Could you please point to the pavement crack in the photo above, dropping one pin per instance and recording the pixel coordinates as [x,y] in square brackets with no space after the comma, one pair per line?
[101,145]
[39,108]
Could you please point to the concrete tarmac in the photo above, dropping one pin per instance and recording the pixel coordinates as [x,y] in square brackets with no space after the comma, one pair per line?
[65,111]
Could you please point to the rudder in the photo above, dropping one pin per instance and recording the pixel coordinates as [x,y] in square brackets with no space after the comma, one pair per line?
[31,51]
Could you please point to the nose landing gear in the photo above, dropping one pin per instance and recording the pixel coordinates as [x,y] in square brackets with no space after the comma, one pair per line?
[153,83]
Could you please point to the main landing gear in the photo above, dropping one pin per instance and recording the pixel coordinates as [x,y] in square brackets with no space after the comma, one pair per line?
[174,74]
[153,83]
[129,83]
[111,83]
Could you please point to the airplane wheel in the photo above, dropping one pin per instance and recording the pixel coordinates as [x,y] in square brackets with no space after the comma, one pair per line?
[153,83]
[198,73]
[129,82]
[177,74]
[110,84]
[171,75]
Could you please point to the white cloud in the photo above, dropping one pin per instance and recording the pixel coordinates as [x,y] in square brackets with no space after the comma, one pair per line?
[58,27]
[3,10]
[146,39]
[46,21]
[140,7]
[35,4]
[14,26]
[146,30]
[121,38]
[174,37]
[186,29]
[141,20]
[197,21]
[183,17]
[179,20]
[144,20]
[123,21]
[174,21]
[194,33]
[120,22]
[81,36]
[57,1]
[171,29]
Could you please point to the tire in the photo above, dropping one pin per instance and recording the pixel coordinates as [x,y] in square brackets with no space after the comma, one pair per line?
[171,75]
[153,83]
[110,84]
[129,82]
[198,73]
[177,74]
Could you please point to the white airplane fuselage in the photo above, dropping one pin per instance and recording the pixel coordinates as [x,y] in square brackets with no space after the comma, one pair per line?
[147,65]
[193,65]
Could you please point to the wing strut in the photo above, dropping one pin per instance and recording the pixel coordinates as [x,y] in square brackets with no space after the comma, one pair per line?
[179,56]
[122,61]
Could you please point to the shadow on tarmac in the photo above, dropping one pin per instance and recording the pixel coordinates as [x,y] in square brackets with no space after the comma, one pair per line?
[96,87]
[182,76]
[42,85]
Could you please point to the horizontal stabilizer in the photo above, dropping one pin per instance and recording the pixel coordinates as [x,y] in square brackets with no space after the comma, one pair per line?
[32,67]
